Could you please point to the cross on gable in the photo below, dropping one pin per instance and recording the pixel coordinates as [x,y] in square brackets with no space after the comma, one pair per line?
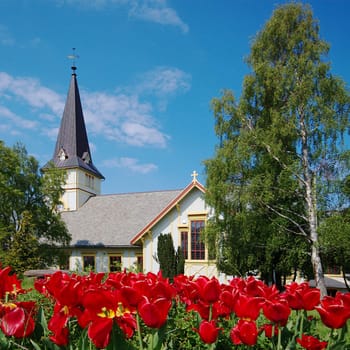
[194,176]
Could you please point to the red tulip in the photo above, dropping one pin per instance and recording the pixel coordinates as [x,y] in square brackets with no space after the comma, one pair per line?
[102,308]
[154,313]
[131,294]
[309,342]
[186,290]
[100,332]
[255,287]
[334,313]
[9,284]
[345,298]
[245,332]
[302,296]
[67,290]
[162,289]
[229,298]
[248,307]
[227,301]
[202,308]
[60,337]
[268,329]
[58,326]
[277,311]
[209,289]
[270,292]
[208,332]
[17,319]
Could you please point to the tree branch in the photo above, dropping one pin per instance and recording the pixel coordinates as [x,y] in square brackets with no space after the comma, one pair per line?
[301,230]
[249,124]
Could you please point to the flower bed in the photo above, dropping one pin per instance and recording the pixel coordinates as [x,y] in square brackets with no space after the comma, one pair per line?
[146,311]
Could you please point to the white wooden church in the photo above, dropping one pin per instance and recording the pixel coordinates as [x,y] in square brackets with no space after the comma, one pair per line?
[117,231]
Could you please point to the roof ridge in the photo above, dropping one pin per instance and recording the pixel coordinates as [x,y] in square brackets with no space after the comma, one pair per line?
[136,192]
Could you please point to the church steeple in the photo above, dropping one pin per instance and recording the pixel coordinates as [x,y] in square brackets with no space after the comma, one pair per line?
[72,152]
[72,146]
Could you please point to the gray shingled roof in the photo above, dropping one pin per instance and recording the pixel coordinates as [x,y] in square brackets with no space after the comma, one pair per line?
[113,220]
[332,282]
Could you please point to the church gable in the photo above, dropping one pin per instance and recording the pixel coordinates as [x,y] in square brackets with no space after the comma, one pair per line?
[173,204]
[185,220]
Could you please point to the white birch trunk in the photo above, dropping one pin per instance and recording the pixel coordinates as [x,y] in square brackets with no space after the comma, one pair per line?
[311,201]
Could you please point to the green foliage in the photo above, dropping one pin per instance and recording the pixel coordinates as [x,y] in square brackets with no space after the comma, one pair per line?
[166,255]
[24,252]
[277,164]
[31,231]
[171,262]
[180,329]
[179,262]
[334,232]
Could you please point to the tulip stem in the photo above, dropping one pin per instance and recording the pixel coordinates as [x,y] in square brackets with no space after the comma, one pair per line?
[18,345]
[343,332]
[210,312]
[301,324]
[139,331]
[330,338]
[211,346]
[279,339]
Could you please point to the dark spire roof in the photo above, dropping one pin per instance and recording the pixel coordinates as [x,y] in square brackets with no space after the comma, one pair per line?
[72,147]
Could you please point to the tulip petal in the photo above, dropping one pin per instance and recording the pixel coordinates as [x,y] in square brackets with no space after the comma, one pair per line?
[100,332]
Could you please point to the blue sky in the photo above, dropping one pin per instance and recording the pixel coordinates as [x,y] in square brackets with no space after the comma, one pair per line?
[147,71]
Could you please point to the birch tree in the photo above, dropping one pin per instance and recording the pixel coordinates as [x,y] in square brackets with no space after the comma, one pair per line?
[278,141]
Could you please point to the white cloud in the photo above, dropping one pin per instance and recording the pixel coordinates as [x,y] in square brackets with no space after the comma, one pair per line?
[119,117]
[130,164]
[93,147]
[137,134]
[51,133]
[31,91]
[156,11]
[17,122]
[122,118]
[164,81]
[5,81]
[47,116]
[37,95]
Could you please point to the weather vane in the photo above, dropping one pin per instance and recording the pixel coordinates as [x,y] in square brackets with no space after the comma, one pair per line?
[73,57]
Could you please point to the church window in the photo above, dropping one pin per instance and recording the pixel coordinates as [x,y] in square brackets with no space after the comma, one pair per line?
[89,181]
[184,243]
[62,155]
[89,262]
[115,263]
[197,244]
[139,263]
[332,270]
[192,243]
[86,157]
